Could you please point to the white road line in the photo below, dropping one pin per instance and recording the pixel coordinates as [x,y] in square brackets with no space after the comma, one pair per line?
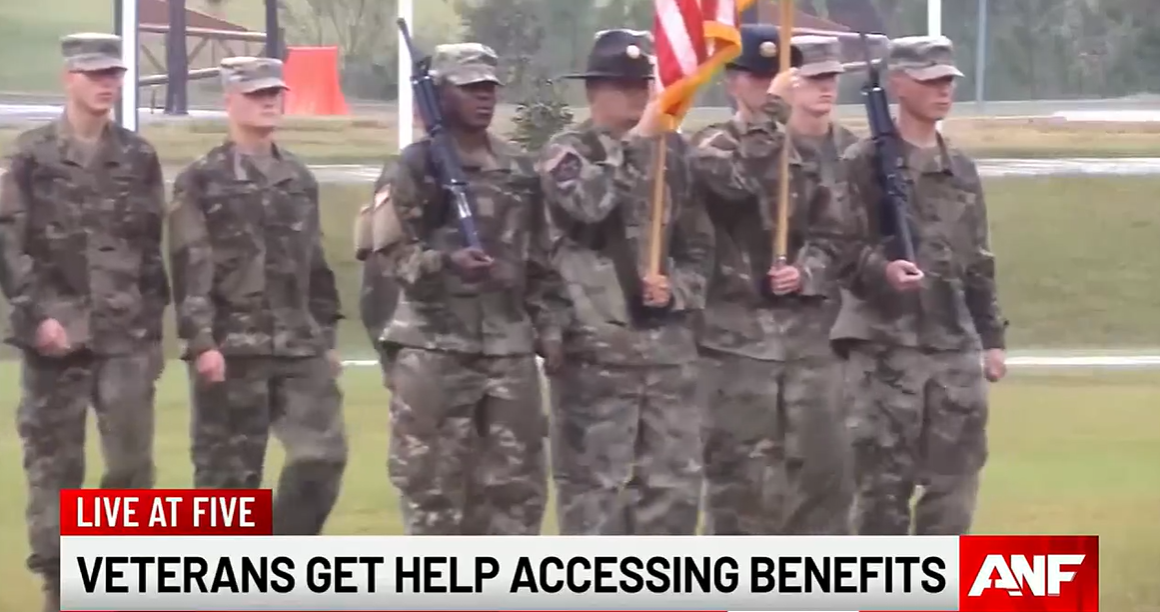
[1021,361]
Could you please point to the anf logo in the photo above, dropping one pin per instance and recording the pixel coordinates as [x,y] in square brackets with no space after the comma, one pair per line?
[1043,575]
[1029,573]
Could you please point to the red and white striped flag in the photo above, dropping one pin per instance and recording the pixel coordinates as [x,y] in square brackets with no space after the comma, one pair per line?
[694,38]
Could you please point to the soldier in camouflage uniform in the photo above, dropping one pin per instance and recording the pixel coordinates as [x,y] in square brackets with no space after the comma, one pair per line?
[914,330]
[379,291]
[257,309]
[467,423]
[776,457]
[82,204]
[626,429]
[818,138]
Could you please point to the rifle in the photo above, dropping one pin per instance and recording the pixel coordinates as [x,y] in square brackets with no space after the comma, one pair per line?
[448,168]
[893,221]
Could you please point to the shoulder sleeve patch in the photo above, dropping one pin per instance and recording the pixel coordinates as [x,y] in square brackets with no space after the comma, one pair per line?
[565,167]
[386,228]
[382,197]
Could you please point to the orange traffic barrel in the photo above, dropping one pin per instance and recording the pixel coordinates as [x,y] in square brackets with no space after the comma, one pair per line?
[312,76]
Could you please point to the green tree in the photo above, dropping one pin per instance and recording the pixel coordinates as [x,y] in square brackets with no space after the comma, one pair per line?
[632,14]
[539,116]
[513,28]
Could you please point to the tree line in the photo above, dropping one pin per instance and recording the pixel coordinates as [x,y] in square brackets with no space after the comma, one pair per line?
[1036,49]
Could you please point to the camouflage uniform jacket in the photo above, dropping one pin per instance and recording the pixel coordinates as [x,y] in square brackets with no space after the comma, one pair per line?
[599,195]
[249,274]
[957,307]
[437,309]
[824,157]
[738,163]
[81,240]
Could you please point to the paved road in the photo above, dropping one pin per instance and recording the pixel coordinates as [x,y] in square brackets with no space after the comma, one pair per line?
[1078,166]
[354,174]
[1110,110]
[1054,360]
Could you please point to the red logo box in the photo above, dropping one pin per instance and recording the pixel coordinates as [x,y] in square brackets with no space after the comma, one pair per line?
[1029,574]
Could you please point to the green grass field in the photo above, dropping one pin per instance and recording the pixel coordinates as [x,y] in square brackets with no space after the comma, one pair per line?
[370,138]
[31,33]
[1071,454]
[1077,264]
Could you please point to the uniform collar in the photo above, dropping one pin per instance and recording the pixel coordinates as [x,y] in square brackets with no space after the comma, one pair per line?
[243,169]
[110,148]
[935,160]
[503,154]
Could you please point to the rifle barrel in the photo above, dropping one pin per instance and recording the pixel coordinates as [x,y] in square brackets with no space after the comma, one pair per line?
[860,66]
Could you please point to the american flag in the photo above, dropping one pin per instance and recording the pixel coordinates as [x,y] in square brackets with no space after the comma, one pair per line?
[693,38]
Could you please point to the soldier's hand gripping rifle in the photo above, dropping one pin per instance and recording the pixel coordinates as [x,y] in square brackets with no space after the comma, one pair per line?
[892,209]
[448,168]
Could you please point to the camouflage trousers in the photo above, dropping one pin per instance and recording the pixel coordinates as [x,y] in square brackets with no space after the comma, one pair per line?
[919,422]
[299,400]
[384,353]
[777,457]
[386,358]
[467,443]
[626,453]
[56,395]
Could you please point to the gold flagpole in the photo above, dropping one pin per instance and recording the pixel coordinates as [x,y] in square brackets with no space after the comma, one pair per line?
[784,54]
[656,229]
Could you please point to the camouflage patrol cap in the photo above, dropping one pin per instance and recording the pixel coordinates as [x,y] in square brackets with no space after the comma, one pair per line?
[923,58]
[820,55]
[250,74]
[91,52]
[465,63]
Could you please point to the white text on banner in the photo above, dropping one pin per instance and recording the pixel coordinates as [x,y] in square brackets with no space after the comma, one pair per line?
[508,573]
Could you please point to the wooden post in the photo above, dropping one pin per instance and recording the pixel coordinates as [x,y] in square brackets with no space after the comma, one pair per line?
[176,61]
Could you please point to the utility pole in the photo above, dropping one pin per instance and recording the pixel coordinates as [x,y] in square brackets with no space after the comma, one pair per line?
[125,26]
[981,58]
[934,17]
[274,46]
[176,61]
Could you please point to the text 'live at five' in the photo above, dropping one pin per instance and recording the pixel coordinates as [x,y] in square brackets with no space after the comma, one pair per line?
[165,512]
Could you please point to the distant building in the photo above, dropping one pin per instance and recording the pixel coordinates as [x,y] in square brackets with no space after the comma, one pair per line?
[156,12]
